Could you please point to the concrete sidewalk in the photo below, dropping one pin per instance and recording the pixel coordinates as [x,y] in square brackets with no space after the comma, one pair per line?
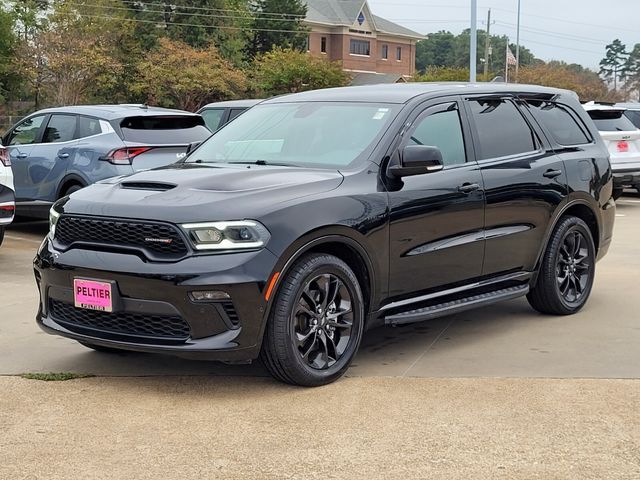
[358,428]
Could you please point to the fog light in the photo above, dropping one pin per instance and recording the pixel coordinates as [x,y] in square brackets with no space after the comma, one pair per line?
[209,295]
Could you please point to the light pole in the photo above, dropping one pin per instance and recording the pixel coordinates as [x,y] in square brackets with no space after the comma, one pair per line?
[518,43]
[474,41]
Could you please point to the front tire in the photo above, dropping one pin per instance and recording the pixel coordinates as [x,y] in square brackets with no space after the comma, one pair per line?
[567,270]
[316,322]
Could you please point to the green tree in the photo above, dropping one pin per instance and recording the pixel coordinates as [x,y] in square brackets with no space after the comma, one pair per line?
[8,43]
[436,50]
[278,23]
[613,65]
[178,75]
[632,69]
[289,71]
[198,23]
[73,58]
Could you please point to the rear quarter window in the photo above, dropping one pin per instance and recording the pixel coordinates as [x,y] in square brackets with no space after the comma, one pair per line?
[560,121]
[611,121]
[169,130]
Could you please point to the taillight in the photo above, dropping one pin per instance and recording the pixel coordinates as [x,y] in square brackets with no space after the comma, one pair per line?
[7,210]
[4,157]
[124,156]
[623,146]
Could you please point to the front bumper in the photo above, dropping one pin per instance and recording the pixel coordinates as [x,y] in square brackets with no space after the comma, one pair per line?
[154,310]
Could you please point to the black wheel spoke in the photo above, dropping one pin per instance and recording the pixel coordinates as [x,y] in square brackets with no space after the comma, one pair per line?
[323,321]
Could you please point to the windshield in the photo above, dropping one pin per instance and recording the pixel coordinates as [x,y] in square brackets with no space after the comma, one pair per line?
[315,134]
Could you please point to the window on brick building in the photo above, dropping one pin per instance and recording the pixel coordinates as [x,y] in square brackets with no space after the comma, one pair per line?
[360,47]
[323,44]
[385,51]
[399,53]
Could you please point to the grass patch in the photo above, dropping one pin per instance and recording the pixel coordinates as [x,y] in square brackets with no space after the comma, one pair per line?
[54,377]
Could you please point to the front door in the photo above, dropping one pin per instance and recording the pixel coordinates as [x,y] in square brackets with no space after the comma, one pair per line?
[436,219]
[21,141]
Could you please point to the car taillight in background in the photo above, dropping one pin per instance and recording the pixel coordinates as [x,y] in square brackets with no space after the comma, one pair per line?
[623,146]
[124,156]
[4,157]
[7,210]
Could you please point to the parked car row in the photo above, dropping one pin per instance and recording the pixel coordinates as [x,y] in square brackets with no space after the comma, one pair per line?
[57,151]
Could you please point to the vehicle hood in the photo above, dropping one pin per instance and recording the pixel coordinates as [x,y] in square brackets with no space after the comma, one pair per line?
[184,193]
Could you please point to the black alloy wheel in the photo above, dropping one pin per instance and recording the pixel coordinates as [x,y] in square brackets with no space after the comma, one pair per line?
[316,322]
[573,269]
[567,269]
[323,321]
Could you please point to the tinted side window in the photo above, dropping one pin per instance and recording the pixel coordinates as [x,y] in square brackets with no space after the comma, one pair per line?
[235,112]
[561,124]
[26,132]
[502,130]
[442,130]
[88,126]
[61,128]
[634,116]
[212,118]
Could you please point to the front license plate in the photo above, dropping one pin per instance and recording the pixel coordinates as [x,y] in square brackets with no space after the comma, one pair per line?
[92,295]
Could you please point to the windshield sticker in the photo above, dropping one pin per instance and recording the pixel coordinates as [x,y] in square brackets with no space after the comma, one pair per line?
[379,115]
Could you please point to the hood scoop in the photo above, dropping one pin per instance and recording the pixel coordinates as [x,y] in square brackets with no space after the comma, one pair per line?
[153,186]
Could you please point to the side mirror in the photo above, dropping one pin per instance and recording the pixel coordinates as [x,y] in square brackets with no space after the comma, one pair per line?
[417,160]
[192,146]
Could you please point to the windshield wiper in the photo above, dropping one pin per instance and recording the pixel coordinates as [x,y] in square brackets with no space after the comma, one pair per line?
[263,162]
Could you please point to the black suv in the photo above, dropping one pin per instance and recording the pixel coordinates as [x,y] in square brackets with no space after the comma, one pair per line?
[315,216]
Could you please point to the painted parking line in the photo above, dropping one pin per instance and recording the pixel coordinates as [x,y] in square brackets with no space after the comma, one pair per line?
[13,237]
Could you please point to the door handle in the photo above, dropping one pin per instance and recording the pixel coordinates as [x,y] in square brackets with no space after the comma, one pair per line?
[552,173]
[22,155]
[63,155]
[468,187]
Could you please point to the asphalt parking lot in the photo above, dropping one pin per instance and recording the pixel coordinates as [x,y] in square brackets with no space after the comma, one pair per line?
[500,392]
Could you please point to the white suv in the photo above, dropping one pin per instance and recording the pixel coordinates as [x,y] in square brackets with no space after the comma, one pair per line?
[7,198]
[622,139]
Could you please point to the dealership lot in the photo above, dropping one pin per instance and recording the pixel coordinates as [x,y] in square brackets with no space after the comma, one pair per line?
[187,419]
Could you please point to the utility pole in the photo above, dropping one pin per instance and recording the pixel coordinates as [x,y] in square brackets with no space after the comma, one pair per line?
[473,50]
[518,43]
[487,42]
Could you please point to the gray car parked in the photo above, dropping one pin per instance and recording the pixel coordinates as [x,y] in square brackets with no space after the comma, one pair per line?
[57,151]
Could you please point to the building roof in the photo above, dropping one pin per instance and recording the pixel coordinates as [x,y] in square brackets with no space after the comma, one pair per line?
[376,78]
[404,92]
[345,13]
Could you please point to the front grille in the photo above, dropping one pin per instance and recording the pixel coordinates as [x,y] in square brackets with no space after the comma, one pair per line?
[158,239]
[164,327]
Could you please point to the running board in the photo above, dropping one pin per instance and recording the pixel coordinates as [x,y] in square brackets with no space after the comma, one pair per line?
[456,306]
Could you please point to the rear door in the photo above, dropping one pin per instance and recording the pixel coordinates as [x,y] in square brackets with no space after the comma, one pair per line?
[436,219]
[524,180]
[161,140]
[49,159]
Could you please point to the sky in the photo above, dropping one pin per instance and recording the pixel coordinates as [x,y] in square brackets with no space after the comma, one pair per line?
[576,31]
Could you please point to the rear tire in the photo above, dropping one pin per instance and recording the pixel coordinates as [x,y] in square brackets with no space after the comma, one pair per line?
[567,270]
[316,322]
[617,193]
[72,189]
[100,348]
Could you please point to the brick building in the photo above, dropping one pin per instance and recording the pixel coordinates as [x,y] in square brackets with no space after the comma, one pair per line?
[347,31]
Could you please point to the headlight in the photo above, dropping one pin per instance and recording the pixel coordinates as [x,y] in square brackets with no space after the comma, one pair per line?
[53,219]
[236,235]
